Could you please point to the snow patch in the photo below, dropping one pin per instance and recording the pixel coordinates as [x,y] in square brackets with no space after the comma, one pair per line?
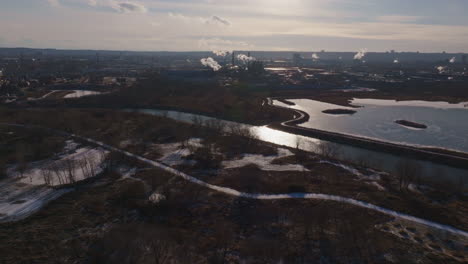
[81,93]
[265,162]
[173,154]
[156,198]
[371,179]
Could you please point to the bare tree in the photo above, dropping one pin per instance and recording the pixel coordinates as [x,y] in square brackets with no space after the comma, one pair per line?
[69,165]
[47,175]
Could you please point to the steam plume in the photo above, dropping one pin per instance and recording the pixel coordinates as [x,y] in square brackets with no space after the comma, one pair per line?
[361,54]
[210,62]
[244,58]
[452,60]
[441,69]
[315,57]
[221,53]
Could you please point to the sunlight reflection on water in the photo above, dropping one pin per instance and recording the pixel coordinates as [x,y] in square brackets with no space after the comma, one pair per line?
[375,159]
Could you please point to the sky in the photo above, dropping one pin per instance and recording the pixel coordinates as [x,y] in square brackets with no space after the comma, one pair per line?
[274,25]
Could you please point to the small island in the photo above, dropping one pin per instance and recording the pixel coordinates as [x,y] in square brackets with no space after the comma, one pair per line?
[339,112]
[411,124]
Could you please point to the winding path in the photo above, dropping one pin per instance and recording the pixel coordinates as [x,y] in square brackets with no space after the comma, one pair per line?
[258,196]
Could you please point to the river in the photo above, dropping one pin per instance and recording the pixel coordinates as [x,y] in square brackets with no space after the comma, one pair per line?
[374,159]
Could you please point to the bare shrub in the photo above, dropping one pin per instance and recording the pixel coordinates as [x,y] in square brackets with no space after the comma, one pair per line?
[215,126]
[407,172]
[137,244]
[329,150]
[241,131]
[3,173]
[206,158]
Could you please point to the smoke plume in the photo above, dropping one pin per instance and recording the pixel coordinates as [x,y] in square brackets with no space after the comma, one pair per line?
[452,60]
[210,62]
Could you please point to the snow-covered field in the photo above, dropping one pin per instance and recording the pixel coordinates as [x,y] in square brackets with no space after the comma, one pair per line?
[22,194]
[265,162]
[74,165]
[19,200]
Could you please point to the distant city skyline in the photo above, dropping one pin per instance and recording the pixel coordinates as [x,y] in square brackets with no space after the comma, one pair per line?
[204,25]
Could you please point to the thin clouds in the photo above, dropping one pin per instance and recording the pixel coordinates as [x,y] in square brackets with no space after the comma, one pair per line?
[54,2]
[222,44]
[126,7]
[218,21]
[213,20]
[228,25]
[118,6]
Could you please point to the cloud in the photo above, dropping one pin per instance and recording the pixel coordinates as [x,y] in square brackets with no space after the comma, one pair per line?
[54,2]
[128,7]
[213,20]
[216,20]
[399,19]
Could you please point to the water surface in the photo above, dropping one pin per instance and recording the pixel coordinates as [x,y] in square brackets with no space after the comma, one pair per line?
[447,124]
[374,159]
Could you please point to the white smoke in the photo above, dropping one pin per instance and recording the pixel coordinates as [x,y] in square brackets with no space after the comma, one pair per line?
[221,53]
[441,69]
[396,61]
[210,62]
[452,60]
[361,54]
[315,57]
[244,58]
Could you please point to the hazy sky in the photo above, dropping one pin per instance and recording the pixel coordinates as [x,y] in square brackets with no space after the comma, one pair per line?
[306,25]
